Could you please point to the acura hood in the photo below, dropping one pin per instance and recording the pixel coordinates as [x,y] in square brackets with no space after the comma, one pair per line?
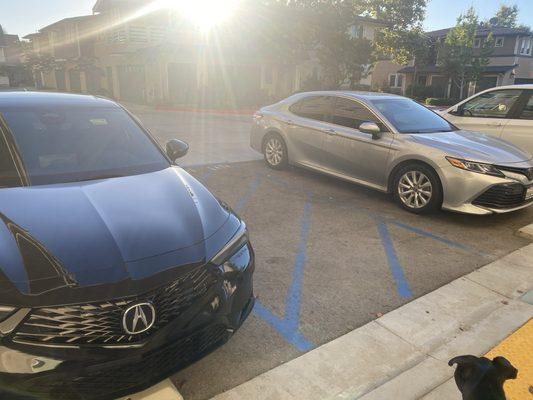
[105,231]
[472,146]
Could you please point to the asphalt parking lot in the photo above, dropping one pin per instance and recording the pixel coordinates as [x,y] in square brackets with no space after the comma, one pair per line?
[332,256]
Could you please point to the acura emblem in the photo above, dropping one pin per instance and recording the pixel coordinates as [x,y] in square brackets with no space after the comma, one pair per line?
[530,174]
[138,318]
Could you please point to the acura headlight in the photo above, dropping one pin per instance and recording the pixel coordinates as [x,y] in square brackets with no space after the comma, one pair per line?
[231,249]
[481,168]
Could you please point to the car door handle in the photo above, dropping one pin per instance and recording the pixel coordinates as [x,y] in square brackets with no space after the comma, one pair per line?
[495,124]
[289,122]
[330,131]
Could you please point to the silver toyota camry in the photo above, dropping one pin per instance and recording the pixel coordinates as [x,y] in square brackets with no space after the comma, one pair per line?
[395,145]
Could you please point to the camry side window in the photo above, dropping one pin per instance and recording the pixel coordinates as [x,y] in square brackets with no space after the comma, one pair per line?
[527,112]
[352,114]
[495,104]
[317,107]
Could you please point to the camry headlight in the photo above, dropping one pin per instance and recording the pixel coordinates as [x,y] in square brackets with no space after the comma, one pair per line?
[237,242]
[482,168]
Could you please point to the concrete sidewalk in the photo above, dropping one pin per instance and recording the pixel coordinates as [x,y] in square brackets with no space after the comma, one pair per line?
[404,354]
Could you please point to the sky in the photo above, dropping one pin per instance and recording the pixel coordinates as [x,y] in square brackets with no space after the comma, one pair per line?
[27,16]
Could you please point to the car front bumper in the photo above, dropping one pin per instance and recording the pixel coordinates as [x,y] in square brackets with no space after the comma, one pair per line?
[463,188]
[97,372]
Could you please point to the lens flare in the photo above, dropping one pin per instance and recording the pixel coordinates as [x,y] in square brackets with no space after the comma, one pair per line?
[206,14]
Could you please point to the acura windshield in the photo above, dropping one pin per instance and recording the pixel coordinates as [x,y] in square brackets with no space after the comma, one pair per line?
[408,116]
[46,146]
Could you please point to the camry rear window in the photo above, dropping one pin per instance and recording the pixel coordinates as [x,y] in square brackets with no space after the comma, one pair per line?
[70,145]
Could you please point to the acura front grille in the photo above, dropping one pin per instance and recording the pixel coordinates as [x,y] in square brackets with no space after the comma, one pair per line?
[100,323]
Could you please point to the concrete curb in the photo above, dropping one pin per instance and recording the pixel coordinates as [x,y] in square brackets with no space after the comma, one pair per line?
[526,232]
[404,354]
[164,390]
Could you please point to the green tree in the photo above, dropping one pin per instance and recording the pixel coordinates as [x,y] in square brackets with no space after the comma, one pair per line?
[403,37]
[506,16]
[457,56]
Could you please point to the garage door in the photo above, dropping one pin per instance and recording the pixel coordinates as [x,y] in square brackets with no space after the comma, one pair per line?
[131,79]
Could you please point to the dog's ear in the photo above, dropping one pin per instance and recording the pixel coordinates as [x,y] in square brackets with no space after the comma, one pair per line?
[505,368]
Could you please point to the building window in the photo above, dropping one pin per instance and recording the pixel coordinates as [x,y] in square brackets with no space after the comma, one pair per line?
[525,46]
[477,43]
[396,80]
[498,42]
[357,31]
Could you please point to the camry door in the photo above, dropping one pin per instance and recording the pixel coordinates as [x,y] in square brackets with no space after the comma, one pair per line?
[306,129]
[353,153]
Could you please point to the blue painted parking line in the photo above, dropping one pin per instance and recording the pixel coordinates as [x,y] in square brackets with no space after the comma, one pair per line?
[441,239]
[288,326]
[249,193]
[402,285]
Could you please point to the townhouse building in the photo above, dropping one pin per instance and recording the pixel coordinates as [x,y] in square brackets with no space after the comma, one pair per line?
[137,54]
[11,57]
[511,62]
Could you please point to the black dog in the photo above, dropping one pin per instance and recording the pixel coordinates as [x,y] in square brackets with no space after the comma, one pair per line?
[479,378]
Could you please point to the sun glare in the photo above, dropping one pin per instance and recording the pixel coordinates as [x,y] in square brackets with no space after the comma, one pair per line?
[206,14]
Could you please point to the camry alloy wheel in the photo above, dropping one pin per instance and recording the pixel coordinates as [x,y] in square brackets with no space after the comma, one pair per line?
[274,151]
[415,189]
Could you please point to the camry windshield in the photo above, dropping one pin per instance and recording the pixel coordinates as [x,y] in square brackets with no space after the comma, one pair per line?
[70,145]
[408,116]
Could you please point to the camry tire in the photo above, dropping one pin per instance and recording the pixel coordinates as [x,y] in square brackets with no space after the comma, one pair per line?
[416,188]
[275,151]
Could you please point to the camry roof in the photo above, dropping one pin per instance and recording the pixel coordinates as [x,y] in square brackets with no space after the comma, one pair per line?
[351,93]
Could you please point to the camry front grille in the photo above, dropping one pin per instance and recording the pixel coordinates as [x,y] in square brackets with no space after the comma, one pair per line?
[527,172]
[502,196]
[100,323]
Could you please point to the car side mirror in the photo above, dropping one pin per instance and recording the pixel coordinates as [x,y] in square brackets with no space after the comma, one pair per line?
[371,128]
[176,149]
[457,110]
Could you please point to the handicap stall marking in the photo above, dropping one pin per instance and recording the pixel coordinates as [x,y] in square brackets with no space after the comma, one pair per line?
[289,326]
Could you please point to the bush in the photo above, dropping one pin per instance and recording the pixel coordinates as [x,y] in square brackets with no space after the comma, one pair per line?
[440,101]
[422,92]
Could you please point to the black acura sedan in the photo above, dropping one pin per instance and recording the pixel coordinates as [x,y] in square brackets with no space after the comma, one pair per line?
[117,267]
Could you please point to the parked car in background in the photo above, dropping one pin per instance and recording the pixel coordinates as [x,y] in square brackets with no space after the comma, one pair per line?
[505,112]
[393,144]
[117,267]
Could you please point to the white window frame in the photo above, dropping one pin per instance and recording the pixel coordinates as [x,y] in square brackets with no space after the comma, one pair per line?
[477,43]
[497,43]
[396,79]
[522,47]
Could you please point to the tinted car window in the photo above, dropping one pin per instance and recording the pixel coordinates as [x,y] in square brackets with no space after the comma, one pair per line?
[8,173]
[527,112]
[317,107]
[69,145]
[495,104]
[408,116]
[351,114]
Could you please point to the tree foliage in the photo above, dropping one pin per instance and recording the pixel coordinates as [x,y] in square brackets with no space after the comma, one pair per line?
[506,16]
[403,38]
[457,56]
